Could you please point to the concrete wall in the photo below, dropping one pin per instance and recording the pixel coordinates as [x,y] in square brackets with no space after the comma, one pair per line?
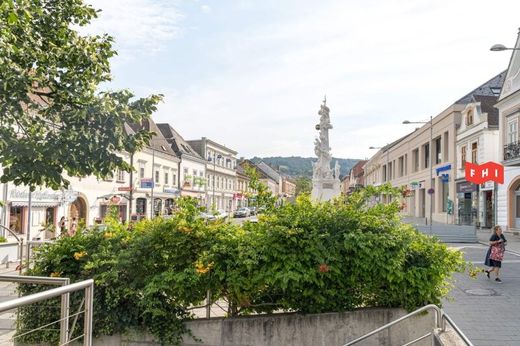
[8,252]
[327,329]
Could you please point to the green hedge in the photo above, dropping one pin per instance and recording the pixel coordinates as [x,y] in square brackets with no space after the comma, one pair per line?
[302,257]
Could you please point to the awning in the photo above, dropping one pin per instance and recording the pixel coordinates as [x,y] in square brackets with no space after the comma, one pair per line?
[35,204]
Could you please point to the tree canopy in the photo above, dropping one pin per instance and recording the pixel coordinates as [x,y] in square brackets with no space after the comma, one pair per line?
[54,121]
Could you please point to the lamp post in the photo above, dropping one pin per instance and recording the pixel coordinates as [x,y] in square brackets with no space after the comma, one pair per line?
[431,191]
[218,156]
[500,47]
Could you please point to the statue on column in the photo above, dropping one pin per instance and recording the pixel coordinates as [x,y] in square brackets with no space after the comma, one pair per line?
[325,181]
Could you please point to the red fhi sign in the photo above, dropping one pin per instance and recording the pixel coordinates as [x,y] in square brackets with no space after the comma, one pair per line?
[489,171]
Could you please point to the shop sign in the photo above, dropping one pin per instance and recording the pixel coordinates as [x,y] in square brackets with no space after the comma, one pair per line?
[36,195]
[466,187]
[443,168]
[489,171]
[115,199]
[146,183]
[414,185]
[171,190]
[488,185]
[124,188]
[445,178]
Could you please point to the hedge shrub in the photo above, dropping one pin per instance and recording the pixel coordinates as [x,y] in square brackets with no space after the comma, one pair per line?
[304,257]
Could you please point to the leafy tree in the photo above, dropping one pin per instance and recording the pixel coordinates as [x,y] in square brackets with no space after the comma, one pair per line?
[53,119]
[263,196]
[303,185]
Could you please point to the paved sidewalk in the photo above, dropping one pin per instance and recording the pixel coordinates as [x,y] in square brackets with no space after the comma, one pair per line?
[486,311]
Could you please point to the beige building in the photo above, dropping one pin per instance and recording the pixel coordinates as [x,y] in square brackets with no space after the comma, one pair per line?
[508,196]
[424,162]
[220,172]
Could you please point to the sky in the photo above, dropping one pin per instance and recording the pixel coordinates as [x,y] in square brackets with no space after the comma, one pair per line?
[252,74]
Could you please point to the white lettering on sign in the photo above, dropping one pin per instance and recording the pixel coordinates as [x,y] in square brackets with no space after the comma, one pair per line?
[36,195]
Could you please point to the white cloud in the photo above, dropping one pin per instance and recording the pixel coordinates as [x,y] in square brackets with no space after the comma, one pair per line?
[138,26]
[205,8]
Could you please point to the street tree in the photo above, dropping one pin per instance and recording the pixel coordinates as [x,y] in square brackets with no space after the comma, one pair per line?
[54,121]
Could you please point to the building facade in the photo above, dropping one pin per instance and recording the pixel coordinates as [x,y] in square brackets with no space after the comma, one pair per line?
[508,201]
[477,142]
[220,173]
[192,172]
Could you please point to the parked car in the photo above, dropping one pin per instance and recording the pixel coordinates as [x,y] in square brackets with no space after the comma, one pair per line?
[252,210]
[242,212]
[207,216]
[221,214]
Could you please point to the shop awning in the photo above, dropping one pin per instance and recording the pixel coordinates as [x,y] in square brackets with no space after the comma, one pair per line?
[35,204]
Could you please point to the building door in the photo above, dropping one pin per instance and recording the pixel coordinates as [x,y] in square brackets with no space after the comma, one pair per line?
[517,208]
[422,202]
[488,209]
[16,219]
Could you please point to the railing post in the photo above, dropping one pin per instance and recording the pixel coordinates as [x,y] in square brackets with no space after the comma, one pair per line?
[208,304]
[64,316]
[89,306]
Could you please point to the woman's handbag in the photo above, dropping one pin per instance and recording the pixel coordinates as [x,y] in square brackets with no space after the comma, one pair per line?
[497,253]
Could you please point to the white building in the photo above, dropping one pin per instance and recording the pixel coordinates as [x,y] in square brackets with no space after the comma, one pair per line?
[477,142]
[508,203]
[220,173]
[192,177]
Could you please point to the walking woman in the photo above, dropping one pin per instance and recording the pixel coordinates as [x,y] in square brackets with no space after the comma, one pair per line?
[495,254]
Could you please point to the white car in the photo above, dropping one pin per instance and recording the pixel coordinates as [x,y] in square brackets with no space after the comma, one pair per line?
[221,214]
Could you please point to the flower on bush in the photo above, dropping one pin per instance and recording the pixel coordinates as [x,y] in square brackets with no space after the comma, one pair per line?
[108,235]
[201,268]
[55,274]
[323,268]
[78,255]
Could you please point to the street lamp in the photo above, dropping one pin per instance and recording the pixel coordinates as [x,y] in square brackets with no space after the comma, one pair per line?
[500,47]
[214,168]
[431,191]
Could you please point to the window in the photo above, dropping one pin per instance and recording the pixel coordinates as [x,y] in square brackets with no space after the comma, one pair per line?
[469,118]
[401,166]
[141,172]
[426,150]
[49,216]
[438,150]
[415,160]
[174,178]
[157,177]
[109,177]
[474,152]
[166,181]
[446,145]
[140,206]
[513,132]
[390,171]
[185,171]
[16,217]
[120,176]
[463,156]
[384,173]
[445,192]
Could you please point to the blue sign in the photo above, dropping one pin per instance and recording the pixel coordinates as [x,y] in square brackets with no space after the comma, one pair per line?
[146,184]
[443,168]
[445,178]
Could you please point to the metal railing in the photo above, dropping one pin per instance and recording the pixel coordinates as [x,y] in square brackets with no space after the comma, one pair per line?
[440,323]
[63,292]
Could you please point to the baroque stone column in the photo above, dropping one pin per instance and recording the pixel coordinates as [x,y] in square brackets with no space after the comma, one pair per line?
[325,181]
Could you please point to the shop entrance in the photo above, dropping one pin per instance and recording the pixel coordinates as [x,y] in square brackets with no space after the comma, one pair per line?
[465,209]
[16,217]
[488,209]
[422,202]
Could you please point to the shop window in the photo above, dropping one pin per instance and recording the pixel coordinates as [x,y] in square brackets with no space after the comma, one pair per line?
[169,205]
[49,216]
[140,206]
[16,219]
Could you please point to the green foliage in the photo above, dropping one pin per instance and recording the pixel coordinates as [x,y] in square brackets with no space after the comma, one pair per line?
[303,185]
[53,119]
[3,239]
[297,166]
[262,197]
[307,257]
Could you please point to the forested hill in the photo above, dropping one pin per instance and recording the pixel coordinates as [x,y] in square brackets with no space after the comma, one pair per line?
[302,166]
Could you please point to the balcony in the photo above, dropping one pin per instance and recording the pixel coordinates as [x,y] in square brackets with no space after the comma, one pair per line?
[512,151]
